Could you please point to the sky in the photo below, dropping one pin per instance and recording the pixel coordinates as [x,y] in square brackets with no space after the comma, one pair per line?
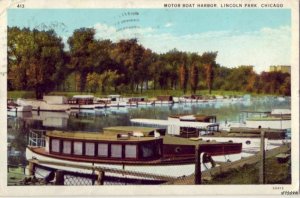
[258,37]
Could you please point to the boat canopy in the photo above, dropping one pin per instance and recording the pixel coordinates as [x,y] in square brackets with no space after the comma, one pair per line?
[196,117]
[173,126]
[83,96]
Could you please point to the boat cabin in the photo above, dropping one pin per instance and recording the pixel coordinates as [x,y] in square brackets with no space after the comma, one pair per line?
[195,118]
[165,98]
[106,146]
[137,99]
[197,97]
[81,99]
[114,98]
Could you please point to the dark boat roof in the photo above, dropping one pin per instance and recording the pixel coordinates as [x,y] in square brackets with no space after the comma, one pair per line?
[126,129]
[168,139]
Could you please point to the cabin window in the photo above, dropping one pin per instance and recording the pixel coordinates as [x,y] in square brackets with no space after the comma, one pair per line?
[55,145]
[147,150]
[78,148]
[89,149]
[116,150]
[66,147]
[130,151]
[103,150]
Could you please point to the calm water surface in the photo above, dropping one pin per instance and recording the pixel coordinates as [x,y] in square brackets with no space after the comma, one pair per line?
[95,121]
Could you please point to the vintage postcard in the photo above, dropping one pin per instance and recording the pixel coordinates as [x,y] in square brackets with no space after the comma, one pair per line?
[161,97]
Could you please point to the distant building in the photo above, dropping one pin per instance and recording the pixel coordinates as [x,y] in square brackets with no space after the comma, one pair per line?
[281,68]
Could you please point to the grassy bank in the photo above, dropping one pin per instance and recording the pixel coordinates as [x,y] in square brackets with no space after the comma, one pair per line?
[146,93]
[276,173]
[15,175]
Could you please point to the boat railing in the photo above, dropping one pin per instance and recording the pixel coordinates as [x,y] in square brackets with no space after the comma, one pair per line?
[36,138]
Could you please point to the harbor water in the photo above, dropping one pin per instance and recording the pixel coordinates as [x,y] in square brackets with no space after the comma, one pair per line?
[19,125]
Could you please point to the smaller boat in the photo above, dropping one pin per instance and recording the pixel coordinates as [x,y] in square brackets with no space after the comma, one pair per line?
[140,101]
[43,105]
[117,101]
[85,102]
[273,122]
[162,100]
[275,119]
[13,109]
[192,126]
[281,112]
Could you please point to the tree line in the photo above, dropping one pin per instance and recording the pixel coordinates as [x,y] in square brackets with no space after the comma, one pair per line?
[39,61]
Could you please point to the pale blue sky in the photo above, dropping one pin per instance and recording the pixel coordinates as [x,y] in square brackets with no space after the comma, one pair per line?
[259,37]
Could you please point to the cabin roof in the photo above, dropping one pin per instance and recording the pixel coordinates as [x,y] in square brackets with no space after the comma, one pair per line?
[94,136]
[168,139]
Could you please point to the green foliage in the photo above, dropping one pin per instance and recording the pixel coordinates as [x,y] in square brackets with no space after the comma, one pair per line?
[209,61]
[35,60]
[38,62]
[183,77]
[194,78]
[92,82]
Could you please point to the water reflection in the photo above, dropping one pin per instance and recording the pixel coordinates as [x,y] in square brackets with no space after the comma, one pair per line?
[95,121]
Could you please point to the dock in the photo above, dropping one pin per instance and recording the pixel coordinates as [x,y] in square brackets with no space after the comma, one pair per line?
[225,167]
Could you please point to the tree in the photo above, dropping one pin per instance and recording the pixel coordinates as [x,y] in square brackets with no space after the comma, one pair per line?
[143,70]
[108,79]
[36,60]
[194,78]
[285,88]
[92,82]
[183,77]
[209,61]
[129,54]
[82,45]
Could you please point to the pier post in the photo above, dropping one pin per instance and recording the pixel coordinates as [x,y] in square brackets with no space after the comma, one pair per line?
[197,164]
[100,177]
[59,177]
[31,168]
[262,158]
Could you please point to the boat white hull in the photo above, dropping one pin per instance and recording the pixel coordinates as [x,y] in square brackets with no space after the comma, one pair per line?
[25,108]
[170,170]
[158,102]
[142,103]
[274,124]
[87,106]
[249,145]
[40,105]
[117,104]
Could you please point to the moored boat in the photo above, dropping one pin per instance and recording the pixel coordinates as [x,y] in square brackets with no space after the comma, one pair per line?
[162,100]
[85,102]
[42,105]
[205,128]
[14,107]
[144,151]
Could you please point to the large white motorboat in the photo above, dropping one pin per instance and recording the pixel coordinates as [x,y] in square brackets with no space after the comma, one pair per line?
[141,150]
